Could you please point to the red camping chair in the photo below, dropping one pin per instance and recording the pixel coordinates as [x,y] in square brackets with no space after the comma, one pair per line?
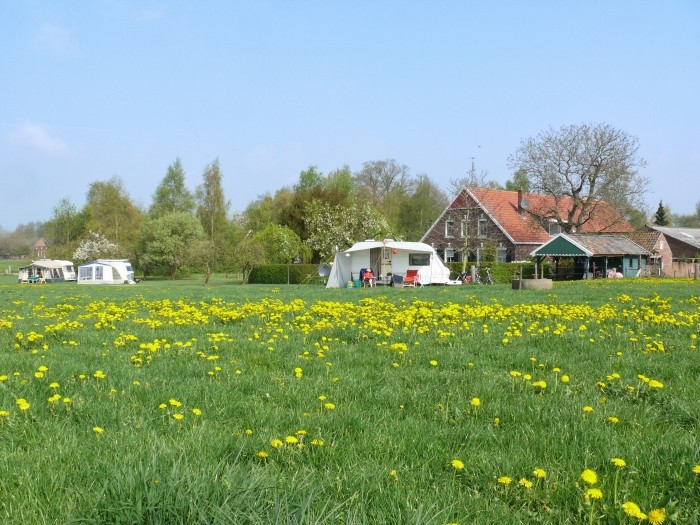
[411,279]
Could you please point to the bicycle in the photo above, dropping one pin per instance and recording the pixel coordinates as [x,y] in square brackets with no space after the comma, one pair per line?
[484,279]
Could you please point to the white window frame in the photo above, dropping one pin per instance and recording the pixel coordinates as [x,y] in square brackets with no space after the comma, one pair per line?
[482,228]
[449,229]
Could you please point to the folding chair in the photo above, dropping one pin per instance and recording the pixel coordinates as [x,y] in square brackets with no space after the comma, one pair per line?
[411,279]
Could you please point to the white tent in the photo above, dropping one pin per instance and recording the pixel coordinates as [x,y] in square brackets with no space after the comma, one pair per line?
[387,257]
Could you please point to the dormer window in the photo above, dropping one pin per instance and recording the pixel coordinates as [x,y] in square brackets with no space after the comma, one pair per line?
[554,227]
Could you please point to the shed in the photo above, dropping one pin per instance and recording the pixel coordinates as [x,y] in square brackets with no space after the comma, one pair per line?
[595,255]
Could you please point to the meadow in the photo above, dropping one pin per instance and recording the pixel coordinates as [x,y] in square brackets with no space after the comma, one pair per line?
[172,402]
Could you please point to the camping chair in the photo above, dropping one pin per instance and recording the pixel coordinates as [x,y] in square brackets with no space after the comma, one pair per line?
[367,277]
[396,280]
[411,279]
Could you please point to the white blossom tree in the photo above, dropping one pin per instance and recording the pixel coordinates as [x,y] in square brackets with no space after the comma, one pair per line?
[95,246]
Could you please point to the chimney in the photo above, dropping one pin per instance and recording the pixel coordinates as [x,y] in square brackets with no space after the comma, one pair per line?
[520,200]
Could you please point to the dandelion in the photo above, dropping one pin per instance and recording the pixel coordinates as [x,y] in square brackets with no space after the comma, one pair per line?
[394,474]
[98,430]
[178,417]
[276,443]
[433,362]
[329,406]
[657,516]
[588,409]
[291,440]
[505,480]
[4,413]
[196,411]
[525,483]
[457,464]
[613,420]
[696,469]
[539,473]
[655,384]
[618,462]
[565,379]
[262,454]
[633,511]
[593,494]
[475,402]
[589,476]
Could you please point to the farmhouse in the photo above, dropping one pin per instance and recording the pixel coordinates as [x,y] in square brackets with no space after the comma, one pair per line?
[509,224]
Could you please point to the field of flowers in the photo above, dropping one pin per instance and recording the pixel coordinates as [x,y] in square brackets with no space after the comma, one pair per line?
[187,404]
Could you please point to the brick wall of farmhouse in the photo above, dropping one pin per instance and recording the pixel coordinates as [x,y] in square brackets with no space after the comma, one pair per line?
[439,237]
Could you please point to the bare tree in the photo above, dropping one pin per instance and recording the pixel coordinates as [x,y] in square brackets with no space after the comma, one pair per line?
[590,163]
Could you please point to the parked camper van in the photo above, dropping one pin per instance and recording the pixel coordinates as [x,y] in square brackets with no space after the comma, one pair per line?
[106,271]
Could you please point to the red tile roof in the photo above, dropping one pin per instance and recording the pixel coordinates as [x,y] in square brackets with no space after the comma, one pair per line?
[523,226]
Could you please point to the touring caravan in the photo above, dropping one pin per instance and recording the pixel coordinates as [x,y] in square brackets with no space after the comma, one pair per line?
[47,271]
[106,271]
[387,259]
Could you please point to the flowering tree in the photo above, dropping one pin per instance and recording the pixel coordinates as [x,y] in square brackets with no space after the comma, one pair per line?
[94,247]
[330,227]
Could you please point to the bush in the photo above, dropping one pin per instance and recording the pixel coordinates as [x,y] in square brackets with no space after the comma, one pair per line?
[285,274]
[503,272]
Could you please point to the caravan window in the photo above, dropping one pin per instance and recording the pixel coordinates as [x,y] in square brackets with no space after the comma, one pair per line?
[85,273]
[98,273]
[418,259]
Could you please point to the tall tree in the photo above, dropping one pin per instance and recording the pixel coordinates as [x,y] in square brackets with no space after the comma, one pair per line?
[662,217]
[171,241]
[66,225]
[519,182]
[113,214]
[171,194]
[692,220]
[212,206]
[419,209]
[589,163]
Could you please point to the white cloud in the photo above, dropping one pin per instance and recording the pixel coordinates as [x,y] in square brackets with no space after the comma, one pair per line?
[38,137]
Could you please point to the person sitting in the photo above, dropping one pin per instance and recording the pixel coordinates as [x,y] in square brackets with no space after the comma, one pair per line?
[368,278]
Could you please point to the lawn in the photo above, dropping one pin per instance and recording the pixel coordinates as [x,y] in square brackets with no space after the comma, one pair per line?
[174,402]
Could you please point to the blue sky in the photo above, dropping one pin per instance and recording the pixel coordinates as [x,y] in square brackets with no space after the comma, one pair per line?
[92,89]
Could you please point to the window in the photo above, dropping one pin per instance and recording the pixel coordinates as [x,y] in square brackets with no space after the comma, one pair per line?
[554,228]
[98,273]
[462,228]
[418,259]
[85,273]
[502,254]
[482,228]
[449,229]
[449,254]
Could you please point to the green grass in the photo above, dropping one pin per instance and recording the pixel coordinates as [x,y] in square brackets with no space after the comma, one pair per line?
[400,368]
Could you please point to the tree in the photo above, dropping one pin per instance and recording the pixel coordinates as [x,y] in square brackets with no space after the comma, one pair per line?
[332,227]
[212,206]
[309,179]
[662,215]
[66,223]
[248,254]
[418,210]
[691,220]
[113,215]
[95,246]
[171,194]
[171,241]
[519,182]
[282,245]
[589,163]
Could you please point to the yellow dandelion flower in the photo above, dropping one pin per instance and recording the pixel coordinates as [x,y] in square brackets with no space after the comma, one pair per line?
[565,378]
[655,384]
[613,420]
[457,464]
[4,413]
[505,480]
[657,516]
[618,462]
[593,494]
[525,483]
[433,362]
[475,402]
[696,469]
[98,430]
[393,473]
[588,409]
[589,476]
[633,511]
[197,411]
[329,406]
[539,473]
[262,454]
[276,443]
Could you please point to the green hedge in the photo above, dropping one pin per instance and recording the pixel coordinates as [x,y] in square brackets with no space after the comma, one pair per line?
[285,274]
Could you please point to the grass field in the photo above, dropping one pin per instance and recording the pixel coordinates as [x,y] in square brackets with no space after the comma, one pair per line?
[172,402]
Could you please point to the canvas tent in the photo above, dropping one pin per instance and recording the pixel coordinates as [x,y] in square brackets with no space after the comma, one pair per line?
[106,271]
[47,271]
[387,257]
